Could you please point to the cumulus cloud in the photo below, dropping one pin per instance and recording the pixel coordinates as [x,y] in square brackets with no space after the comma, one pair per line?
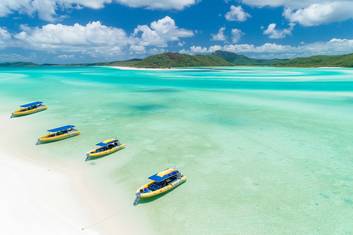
[5,37]
[275,33]
[271,48]
[158,33]
[94,39]
[236,13]
[286,3]
[220,36]
[46,9]
[274,50]
[236,35]
[161,4]
[310,12]
[320,13]
[198,50]
[195,50]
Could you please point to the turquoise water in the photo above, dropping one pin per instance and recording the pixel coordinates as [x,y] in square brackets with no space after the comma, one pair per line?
[265,150]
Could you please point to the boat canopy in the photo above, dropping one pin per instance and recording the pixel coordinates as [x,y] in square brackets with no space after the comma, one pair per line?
[106,142]
[63,128]
[33,104]
[160,177]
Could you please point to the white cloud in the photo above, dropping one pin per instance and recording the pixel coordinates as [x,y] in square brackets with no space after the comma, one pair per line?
[333,46]
[5,37]
[194,50]
[236,35]
[159,33]
[220,35]
[159,4]
[310,12]
[236,14]
[320,13]
[275,33]
[95,40]
[46,9]
[215,48]
[264,50]
[138,49]
[273,50]
[286,3]
[198,50]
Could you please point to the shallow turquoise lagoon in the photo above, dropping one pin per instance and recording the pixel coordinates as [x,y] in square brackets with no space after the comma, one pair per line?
[265,150]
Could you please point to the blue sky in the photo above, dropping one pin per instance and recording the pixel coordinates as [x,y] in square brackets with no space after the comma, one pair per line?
[73,31]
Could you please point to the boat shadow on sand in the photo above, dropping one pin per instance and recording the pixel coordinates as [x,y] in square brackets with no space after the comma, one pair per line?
[48,143]
[141,201]
[92,159]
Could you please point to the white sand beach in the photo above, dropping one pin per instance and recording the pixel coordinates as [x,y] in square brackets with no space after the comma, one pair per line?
[135,68]
[40,198]
[38,201]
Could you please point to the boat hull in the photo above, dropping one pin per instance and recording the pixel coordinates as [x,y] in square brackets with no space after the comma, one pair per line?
[48,138]
[20,113]
[162,190]
[92,154]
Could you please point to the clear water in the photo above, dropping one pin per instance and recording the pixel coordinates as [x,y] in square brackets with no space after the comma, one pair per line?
[265,150]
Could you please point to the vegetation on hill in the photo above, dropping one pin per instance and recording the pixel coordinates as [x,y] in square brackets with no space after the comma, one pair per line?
[170,60]
[236,59]
[223,58]
[127,63]
[312,61]
[218,58]
[318,61]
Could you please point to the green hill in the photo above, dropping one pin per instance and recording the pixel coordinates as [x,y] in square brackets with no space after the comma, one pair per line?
[127,63]
[218,58]
[169,60]
[236,59]
[223,58]
[318,61]
[312,61]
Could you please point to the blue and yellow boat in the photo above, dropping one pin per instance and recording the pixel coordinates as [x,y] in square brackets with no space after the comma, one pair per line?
[30,108]
[161,183]
[105,148]
[59,133]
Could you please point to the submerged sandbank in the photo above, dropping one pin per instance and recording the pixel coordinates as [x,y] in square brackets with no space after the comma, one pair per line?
[136,68]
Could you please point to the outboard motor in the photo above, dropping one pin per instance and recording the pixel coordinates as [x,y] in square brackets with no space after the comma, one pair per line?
[179,175]
[138,197]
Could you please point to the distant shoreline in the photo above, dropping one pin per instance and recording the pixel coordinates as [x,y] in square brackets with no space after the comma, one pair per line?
[173,68]
[136,68]
[171,60]
[204,67]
